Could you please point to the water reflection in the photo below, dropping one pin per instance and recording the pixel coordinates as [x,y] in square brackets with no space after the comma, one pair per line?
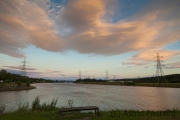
[107,97]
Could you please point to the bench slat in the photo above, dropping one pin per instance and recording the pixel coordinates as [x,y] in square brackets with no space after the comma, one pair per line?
[79,108]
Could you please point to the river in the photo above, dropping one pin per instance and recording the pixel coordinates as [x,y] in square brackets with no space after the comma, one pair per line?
[106,97]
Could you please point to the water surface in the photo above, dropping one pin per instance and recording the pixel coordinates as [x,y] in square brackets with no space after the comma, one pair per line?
[106,97]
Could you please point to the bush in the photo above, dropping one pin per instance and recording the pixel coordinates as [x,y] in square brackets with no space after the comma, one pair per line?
[28,84]
[7,81]
[19,83]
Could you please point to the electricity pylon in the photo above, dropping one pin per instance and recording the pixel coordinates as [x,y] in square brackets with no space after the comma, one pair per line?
[79,74]
[23,68]
[159,72]
[106,75]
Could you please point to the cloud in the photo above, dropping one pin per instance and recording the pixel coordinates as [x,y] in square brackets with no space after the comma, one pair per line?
[135,63]
[149,56]
[19,67]
[53,71]
[89,33]
[85,26]
[24,23]
[172,65]
[62,75]
[91,71]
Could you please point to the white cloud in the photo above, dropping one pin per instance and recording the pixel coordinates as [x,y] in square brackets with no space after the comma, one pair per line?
[81,26]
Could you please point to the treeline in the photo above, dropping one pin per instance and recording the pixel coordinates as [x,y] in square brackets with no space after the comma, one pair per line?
[89,80]
[16,78]
[173,78]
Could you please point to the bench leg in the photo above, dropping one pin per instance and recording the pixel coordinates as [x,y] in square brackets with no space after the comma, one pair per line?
[97,111]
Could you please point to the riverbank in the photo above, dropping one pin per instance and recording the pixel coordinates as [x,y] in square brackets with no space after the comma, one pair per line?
[104,115]
[15,87]
[49,111]
[169,85]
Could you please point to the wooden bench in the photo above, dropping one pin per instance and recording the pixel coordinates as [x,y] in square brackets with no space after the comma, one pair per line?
[79,109]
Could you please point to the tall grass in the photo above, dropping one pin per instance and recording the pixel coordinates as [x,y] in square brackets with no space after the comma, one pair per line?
[2,109]
[23,107]
[36,106]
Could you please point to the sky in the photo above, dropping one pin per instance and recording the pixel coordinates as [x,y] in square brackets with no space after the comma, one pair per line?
[59,38]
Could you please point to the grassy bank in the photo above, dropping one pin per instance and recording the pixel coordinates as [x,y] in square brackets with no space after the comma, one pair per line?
[15,87]
[170,85]
[49,111]
[119,115]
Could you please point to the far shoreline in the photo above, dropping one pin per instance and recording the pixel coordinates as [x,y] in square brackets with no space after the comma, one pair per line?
[162,85]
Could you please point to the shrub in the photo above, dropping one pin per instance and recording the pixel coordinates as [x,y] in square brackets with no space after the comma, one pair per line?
[28,84]
[19,83]
[7,81]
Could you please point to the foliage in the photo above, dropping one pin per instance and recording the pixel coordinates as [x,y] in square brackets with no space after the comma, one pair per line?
[9,77]
[89,80]
[104,115]
[19,83]
[7,81]
[36,106]
[23,107]
[174,78]
[28,84]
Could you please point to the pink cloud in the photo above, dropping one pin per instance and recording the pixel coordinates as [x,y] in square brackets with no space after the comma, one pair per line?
[19,67]
[172,65]
[84,26]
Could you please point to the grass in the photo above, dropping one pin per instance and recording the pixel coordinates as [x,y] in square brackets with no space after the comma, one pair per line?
[108,115]
[49,111]
[36,106]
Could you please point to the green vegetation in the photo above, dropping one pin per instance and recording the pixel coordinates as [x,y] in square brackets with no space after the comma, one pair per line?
[49,111]
[36,106]
[105,115]
[15,82]
[87,80]
[9,78]
[172,81]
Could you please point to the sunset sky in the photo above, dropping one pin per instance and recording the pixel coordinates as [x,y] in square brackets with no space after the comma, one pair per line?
[61,37]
